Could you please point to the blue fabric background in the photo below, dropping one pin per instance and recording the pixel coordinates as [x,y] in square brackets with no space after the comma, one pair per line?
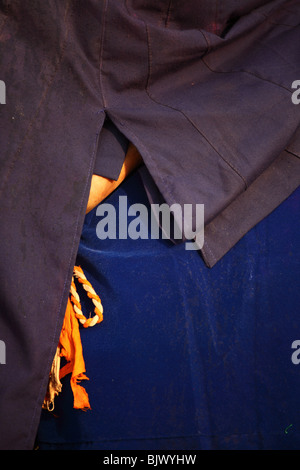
[187,357]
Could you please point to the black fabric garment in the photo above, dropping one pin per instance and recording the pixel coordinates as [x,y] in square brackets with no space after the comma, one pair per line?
[202,89]
[111,151]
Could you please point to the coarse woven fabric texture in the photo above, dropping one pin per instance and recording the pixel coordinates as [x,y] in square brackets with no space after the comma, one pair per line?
[202,89]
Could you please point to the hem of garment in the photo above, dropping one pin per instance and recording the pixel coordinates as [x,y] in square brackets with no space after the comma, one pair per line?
[265,194]
[278,182]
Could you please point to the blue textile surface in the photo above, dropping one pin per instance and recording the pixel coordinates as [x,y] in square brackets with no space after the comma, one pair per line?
[187,357]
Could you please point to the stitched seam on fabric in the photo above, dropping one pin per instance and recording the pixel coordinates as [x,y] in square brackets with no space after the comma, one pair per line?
[292,153]
[67,10]
[128,10]
[278,24]
[245,71]
[149,59]
[220,155]
[167,20]
[209,47]
[141,145]
[103,26]
[182,112]
[42,100]
[206,249]
[203,135]
[275,9]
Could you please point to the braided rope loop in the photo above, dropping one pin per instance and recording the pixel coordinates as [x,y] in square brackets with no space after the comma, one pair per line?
[98,310]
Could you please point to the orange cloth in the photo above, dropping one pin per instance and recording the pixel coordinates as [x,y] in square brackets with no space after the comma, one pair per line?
[71,349]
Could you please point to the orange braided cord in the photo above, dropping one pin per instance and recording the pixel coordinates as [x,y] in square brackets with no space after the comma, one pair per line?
[98,317]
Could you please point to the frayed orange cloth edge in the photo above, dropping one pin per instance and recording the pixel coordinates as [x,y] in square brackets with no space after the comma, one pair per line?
[71,349]
[70,346]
